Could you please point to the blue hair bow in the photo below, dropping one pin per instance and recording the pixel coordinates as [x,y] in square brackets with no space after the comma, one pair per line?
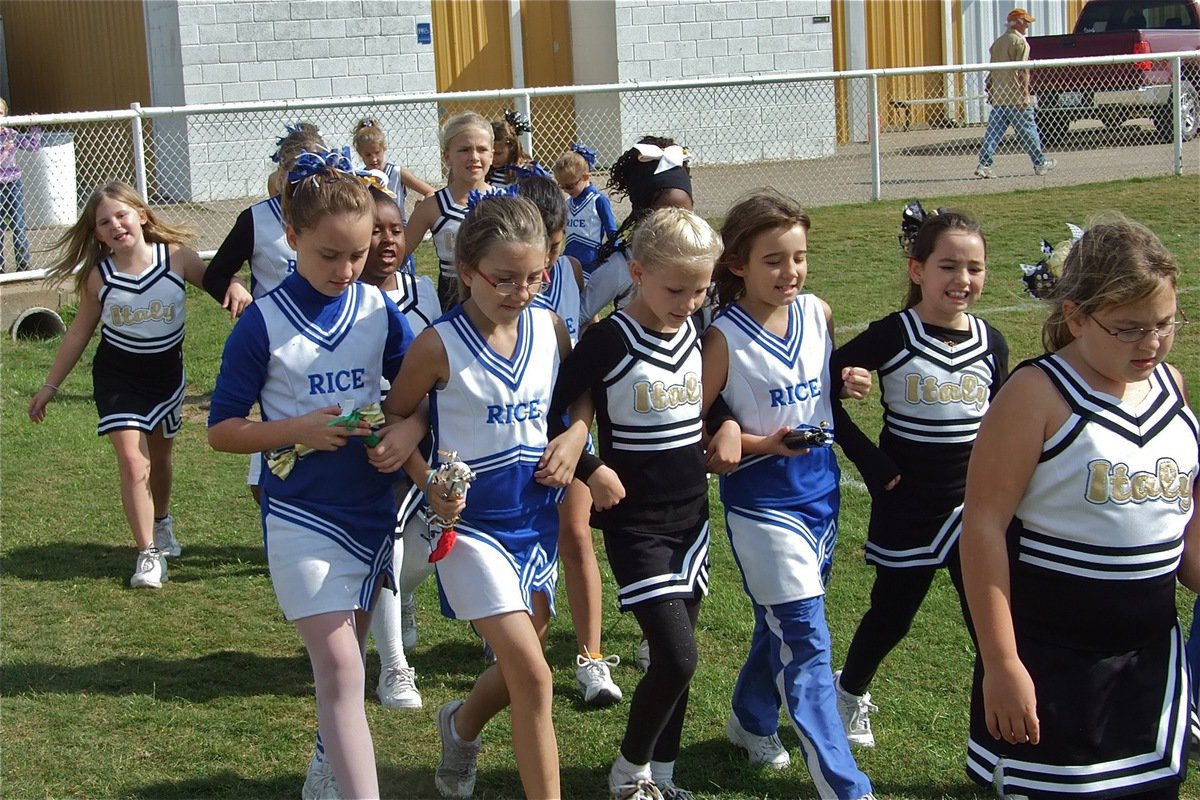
[475,197]
[290,129]
[534,168]
[309,164]
[589,155]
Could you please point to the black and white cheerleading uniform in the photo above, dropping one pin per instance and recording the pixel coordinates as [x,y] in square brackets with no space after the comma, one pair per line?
[590,223]
[443,230]
[562,296]
[646,389]
[1093,550]
[258,238]
[137,373]
[935,385]
[500,177]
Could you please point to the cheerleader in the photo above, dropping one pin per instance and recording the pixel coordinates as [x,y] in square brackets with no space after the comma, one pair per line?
[590,220]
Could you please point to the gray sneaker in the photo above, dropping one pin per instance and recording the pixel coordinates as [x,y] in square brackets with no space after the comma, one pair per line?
[640,789]
[455,775]
[164,537]
[766,750]
[670,791]
[984,172]
[1045,166]
[320,783]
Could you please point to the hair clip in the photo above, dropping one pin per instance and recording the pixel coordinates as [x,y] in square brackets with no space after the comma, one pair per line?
[911,220]
[309,165]
[475,197]
[290,128]
[667,158]
[366,123]
[589,155]
[1041,278]
[535,168]
[519,121]
[375,179]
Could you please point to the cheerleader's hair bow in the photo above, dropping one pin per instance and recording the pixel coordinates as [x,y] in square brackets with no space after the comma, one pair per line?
[668,158]
[535,168]
[366,123]
[475,197]
[589,155]
[520,122]
[289,129]
[375,179]
[911,220]
[1041,278]
[309,165]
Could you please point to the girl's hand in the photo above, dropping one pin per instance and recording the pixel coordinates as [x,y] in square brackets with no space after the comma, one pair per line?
[236,298]
[1010,703]
[556,467]
[606,488]
[313,429]
[773,445]
[37,408]
[724,451]
[394,448]
[856,383]
[444,504]
[892,484]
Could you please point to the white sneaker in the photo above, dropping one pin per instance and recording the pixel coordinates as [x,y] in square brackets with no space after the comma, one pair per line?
[984,172]
[855,712]
[595,681]
[150,571]
[408,621]
[670,791]
[164,537]
[398,688]
[766,750]
[643,655]
[320,783]
[640,789]
[455,775]
[1045,166]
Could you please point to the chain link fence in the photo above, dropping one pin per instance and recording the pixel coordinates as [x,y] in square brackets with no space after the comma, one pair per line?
[824,138]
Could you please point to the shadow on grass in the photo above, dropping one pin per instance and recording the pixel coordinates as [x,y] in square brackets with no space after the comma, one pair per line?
[228,673]
[71,560]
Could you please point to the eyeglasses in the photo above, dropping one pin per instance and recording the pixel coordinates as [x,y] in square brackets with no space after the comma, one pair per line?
[569,187]
[1131,335]
[535,286]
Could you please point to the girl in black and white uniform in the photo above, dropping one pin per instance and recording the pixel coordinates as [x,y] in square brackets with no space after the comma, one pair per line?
[131,284]
[1076,525]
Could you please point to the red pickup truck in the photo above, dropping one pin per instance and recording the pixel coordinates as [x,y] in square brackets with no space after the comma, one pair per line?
[1114,93]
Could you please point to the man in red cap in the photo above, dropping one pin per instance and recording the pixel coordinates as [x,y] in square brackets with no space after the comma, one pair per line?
[1008,95]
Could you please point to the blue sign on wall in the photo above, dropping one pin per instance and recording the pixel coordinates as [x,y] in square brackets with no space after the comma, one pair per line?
[424,33]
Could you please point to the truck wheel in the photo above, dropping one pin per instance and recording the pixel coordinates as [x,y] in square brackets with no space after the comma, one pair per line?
[1164,121]
[1052,127]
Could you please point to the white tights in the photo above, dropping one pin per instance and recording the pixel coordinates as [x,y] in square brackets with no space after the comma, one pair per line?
[410,564]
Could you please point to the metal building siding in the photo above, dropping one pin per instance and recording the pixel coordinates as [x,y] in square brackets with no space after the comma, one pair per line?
[65,55]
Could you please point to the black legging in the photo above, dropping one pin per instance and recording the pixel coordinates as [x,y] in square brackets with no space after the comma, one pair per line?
[660,699]
[895,599]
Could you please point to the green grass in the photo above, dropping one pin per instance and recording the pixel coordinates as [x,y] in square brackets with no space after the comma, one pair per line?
[203,690]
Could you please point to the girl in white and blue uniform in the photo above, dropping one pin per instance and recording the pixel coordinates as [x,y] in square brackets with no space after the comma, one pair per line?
[590,219]
[312,354]
[487,368]
[131,284]
[766,355]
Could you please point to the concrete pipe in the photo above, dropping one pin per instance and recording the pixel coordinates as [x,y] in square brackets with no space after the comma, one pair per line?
[38,323]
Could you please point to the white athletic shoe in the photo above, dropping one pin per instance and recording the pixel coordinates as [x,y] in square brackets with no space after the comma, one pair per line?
[150,571]
[640,789]
[320,783]
[1045,166]
[855,711]
[408,621]
[670,791]
[398,688]
[767,750]
[595,681]
[455,775]
[643,655]
[984,172]
[164,537]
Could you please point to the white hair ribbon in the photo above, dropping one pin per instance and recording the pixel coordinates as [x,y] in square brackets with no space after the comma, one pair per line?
[670,158]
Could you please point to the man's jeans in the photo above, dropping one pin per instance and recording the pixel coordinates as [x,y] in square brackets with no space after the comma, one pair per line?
[1022,121]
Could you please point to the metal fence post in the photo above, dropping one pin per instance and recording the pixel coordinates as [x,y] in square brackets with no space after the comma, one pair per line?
[139,151]
[873,129]
[526,138]
[1176,115]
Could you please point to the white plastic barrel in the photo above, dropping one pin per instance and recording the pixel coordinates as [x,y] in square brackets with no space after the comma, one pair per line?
[49,181]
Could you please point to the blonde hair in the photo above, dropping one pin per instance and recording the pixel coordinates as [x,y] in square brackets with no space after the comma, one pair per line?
[368,133]
[1117,261]
[79,245]
[463,121]
[323,194]
[502,219]
[572,165]
[675,237]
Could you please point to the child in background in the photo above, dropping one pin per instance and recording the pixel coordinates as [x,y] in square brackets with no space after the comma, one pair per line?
[131,284]
[1075,528]
[393,622]
[508,152]
[312,354]
[651,491]
[12,190]
[781,502]
[939,368]
[370,143]
[561,295]
[488,367]
[590,220]
[653,174]
[466,142]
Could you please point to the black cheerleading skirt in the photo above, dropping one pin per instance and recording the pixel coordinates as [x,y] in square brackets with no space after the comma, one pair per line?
[660,552]
[138,390]
[1113,723]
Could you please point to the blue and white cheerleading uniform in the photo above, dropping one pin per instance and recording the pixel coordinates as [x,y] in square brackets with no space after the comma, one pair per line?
[562,296]
[590,223]
[327,526]
[1093,550]
[137,373]
[443,230]
[493,412]
[646,389]
[781,517]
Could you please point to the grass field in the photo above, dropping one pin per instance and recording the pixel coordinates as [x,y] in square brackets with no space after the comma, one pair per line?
[203,690]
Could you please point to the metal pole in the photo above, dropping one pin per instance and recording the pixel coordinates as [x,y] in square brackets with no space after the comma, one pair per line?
[873,135]
[1176,115]
[139,151]
[516,46]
